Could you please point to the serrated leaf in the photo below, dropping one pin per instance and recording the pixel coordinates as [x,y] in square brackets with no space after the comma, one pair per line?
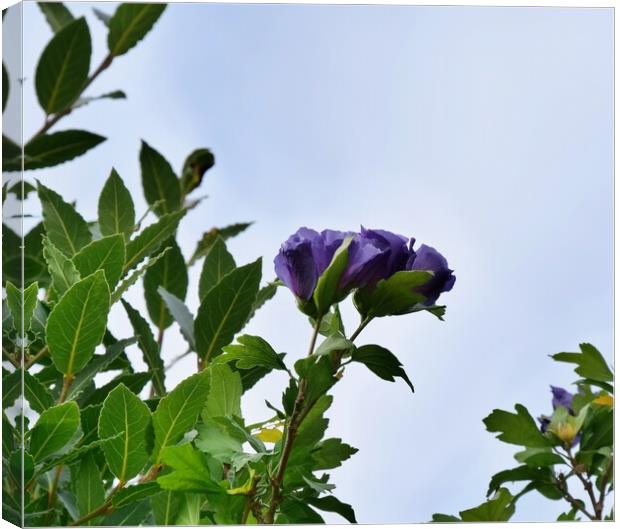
[251,351]
[516,428]
[148,346]
[225,309]
[177,413]
[64,226]
[97,365]
[107,254]
[218,262]
[181,314]
[56,14]
[22,304]
[159,182]
[590,363]
[151,238]
[61,269]
[116,208]
[89,492]
[53,430]
[129,24]
[133,277]
[63,67]
[124,412]
[209,237]
[77,323]
[170,273]
[225,390]
[381,362]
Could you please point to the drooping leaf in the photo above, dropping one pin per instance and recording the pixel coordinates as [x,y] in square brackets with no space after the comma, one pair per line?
[209,237]
[225,390]
[61,269]
[191,470]
[54,429]
[516,428]
[177,412]
[181,314]
[225,308]
[151,238]
[170,273]
[381,362]
[218,262]
[160,184]
[116,209]
[124,412]
[129,24]
[498,509]
[107,254]
[251,351]
[63,67]
[88,486]
[333,504]
[148,346]
[22,304]
[56,14]
[64,226]
[77,323]
[590,363]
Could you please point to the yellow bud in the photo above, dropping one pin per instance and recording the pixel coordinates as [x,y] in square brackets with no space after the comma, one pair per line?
[566,432]
[604,400]
[269,435]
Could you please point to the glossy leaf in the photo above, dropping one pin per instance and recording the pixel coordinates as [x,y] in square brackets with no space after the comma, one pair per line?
[116,208]
[54,429]
[177,413]
[218,262]
[381,362]
[63,67]
[64,226]
[107,254]
[130,24]
[48,150]
[124,412]
[170,273]
[225,309]
[77,323]
[159,182]
[56,14]
[22,305]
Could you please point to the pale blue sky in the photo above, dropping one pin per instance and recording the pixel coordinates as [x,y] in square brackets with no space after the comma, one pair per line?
[486,132]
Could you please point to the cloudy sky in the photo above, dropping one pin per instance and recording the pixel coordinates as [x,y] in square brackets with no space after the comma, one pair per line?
[485,132]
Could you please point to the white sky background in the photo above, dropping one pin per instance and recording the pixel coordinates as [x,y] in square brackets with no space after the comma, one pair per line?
[485,132]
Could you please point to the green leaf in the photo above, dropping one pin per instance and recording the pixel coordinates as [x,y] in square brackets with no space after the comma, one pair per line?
[65,228]
[22,305]
[590,363]
[392,296]
[35,393]
[134,493]
[63,67]
[133,277]
[225,309]
[177,413]
[181,314]
[516,428]
[251,351]
[209,237]
[170,272]
[194,168]
[54,430]
[21,189]
[5,87]
[148,346]
[83,101]
[17,468]
[107,254]
[538,457]
[320,375]
[498,509]
[151,238]
[89,492]
[214,439]
[97,365]
[77,323]
[132,514]
[48,150]
[160,184]
[218,262]
[134,381]
[523,473]
[166,507]
[130,24]
[381,362]
[116,209]
[438,517]
[225,390]
[124,412]
[56,14]
[104,17]
[334,343]
[326,291]
[191,471]
[61,269]
[333,504]
[331,453]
